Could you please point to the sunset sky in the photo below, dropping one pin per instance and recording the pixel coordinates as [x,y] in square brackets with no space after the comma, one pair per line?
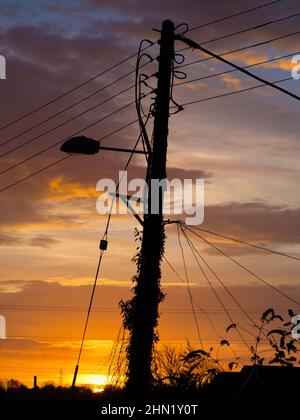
[246,146]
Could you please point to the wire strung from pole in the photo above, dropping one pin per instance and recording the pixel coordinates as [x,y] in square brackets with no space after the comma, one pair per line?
[231,320]
[235,70]
[218,297]
[189,287]
[243,267]
[257,44]
[72,89]
[212,22]
[98,104]
[59,160]
[119,64]
[113,67]
[263,248]
[177,84]
[223,95]
[90,306]
[34,173]
[217,277]
[251,28]
[205,313]
[253,323]
[195,45]
[46,149]
[21,133]
[58,113]
[184,104]
[138,96]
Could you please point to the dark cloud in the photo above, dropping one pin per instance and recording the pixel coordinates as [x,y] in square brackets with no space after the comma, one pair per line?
[42,241]
[255,221]
[7,240]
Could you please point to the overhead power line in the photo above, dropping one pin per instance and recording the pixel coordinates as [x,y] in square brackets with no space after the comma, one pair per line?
[219,280]
[119,93]
[217,295]
[202,310]
[223,95]
[242,31]
[126,59]
[98,104]
[46,149]
[93,93]
[68,108]
[195,45]
[184,104]
[235,70]
[58,161]
[189,287]
[257,277]
[71,90]
[257,44]
[34,173]
[263,248]
[212,22]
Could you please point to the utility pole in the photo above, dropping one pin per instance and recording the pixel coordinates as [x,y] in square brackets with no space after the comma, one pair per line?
[141,312]
[60,379]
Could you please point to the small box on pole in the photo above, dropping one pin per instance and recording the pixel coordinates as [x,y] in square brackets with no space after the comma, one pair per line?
[103,245]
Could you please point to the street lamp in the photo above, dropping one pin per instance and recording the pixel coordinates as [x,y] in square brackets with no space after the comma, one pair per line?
[82,145]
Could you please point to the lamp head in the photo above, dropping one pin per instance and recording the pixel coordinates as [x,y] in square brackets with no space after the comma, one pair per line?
[80,145]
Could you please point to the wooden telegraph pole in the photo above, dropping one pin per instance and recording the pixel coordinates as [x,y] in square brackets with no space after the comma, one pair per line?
[141,312]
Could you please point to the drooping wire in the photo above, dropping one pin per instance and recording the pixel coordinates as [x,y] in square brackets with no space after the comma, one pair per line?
[204,312]
[243,267]
[138,97]
[218,297]
[236,301]
[219,280]
[230,238]
[189,287]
